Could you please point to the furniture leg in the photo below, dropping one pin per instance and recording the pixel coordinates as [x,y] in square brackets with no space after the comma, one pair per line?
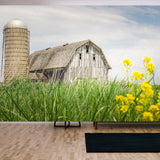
[95,125]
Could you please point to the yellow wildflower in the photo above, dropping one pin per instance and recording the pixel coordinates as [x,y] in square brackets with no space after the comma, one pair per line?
[147,60]
[137,75]
[150,68]
[153,108]
[149,93]
[121,99]
[147,89]
[146,86]
[158,104]
[141,101]
[157,115]
[127,62]
[144,101]
[130,98]
[139,108]
[147,116]
[124,108]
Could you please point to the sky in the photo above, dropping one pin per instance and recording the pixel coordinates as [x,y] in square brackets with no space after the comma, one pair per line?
[122,32]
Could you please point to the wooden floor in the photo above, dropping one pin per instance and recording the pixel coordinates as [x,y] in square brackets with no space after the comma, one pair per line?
[41,141]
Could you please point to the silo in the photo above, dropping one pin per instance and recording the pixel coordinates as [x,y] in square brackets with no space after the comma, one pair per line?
[16,50]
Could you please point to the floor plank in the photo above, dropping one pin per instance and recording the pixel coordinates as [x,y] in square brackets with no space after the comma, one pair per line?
[41,141]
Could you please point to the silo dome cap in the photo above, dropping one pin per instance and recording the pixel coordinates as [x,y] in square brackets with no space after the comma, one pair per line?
[15,23]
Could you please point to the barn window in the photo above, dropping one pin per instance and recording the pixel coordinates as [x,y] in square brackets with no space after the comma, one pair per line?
[87,49]
[94,57]
[80,56]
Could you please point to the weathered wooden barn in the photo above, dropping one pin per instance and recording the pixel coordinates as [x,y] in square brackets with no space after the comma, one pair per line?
[69,62]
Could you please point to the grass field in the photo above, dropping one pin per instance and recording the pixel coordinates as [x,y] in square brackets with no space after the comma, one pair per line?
[135,99]
[85,100]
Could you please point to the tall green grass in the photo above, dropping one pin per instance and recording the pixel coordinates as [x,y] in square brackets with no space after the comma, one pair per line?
[85,100]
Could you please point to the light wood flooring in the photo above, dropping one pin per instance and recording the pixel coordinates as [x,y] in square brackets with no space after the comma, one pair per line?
[41,141]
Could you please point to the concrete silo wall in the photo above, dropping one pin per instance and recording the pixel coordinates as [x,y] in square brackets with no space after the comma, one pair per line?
[16,53]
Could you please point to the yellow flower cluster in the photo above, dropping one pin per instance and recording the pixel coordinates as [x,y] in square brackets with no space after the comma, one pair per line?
[124,102]
[147,94]
[150,68]
[140,102]
[121,99]
[130,98]
[158,101]
[147,116]
[148,64]
[146,86]
[127,62]
[153,108]
[139,109]
[147,60]
[137,75]
[158,104]
[124,108]
[157,115]
[147,89]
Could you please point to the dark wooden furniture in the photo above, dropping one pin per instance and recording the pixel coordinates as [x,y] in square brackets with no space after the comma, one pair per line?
[95,125]
[66,124]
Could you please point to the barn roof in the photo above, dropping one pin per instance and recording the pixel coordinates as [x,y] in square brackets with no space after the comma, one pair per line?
[57,57]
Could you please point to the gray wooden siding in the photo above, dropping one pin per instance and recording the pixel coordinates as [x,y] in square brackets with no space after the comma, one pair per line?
[86,67]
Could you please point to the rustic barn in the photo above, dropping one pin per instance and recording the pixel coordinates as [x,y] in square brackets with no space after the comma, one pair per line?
[69,62]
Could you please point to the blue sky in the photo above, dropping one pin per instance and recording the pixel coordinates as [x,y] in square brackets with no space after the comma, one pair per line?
[143,14]
[121,31]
